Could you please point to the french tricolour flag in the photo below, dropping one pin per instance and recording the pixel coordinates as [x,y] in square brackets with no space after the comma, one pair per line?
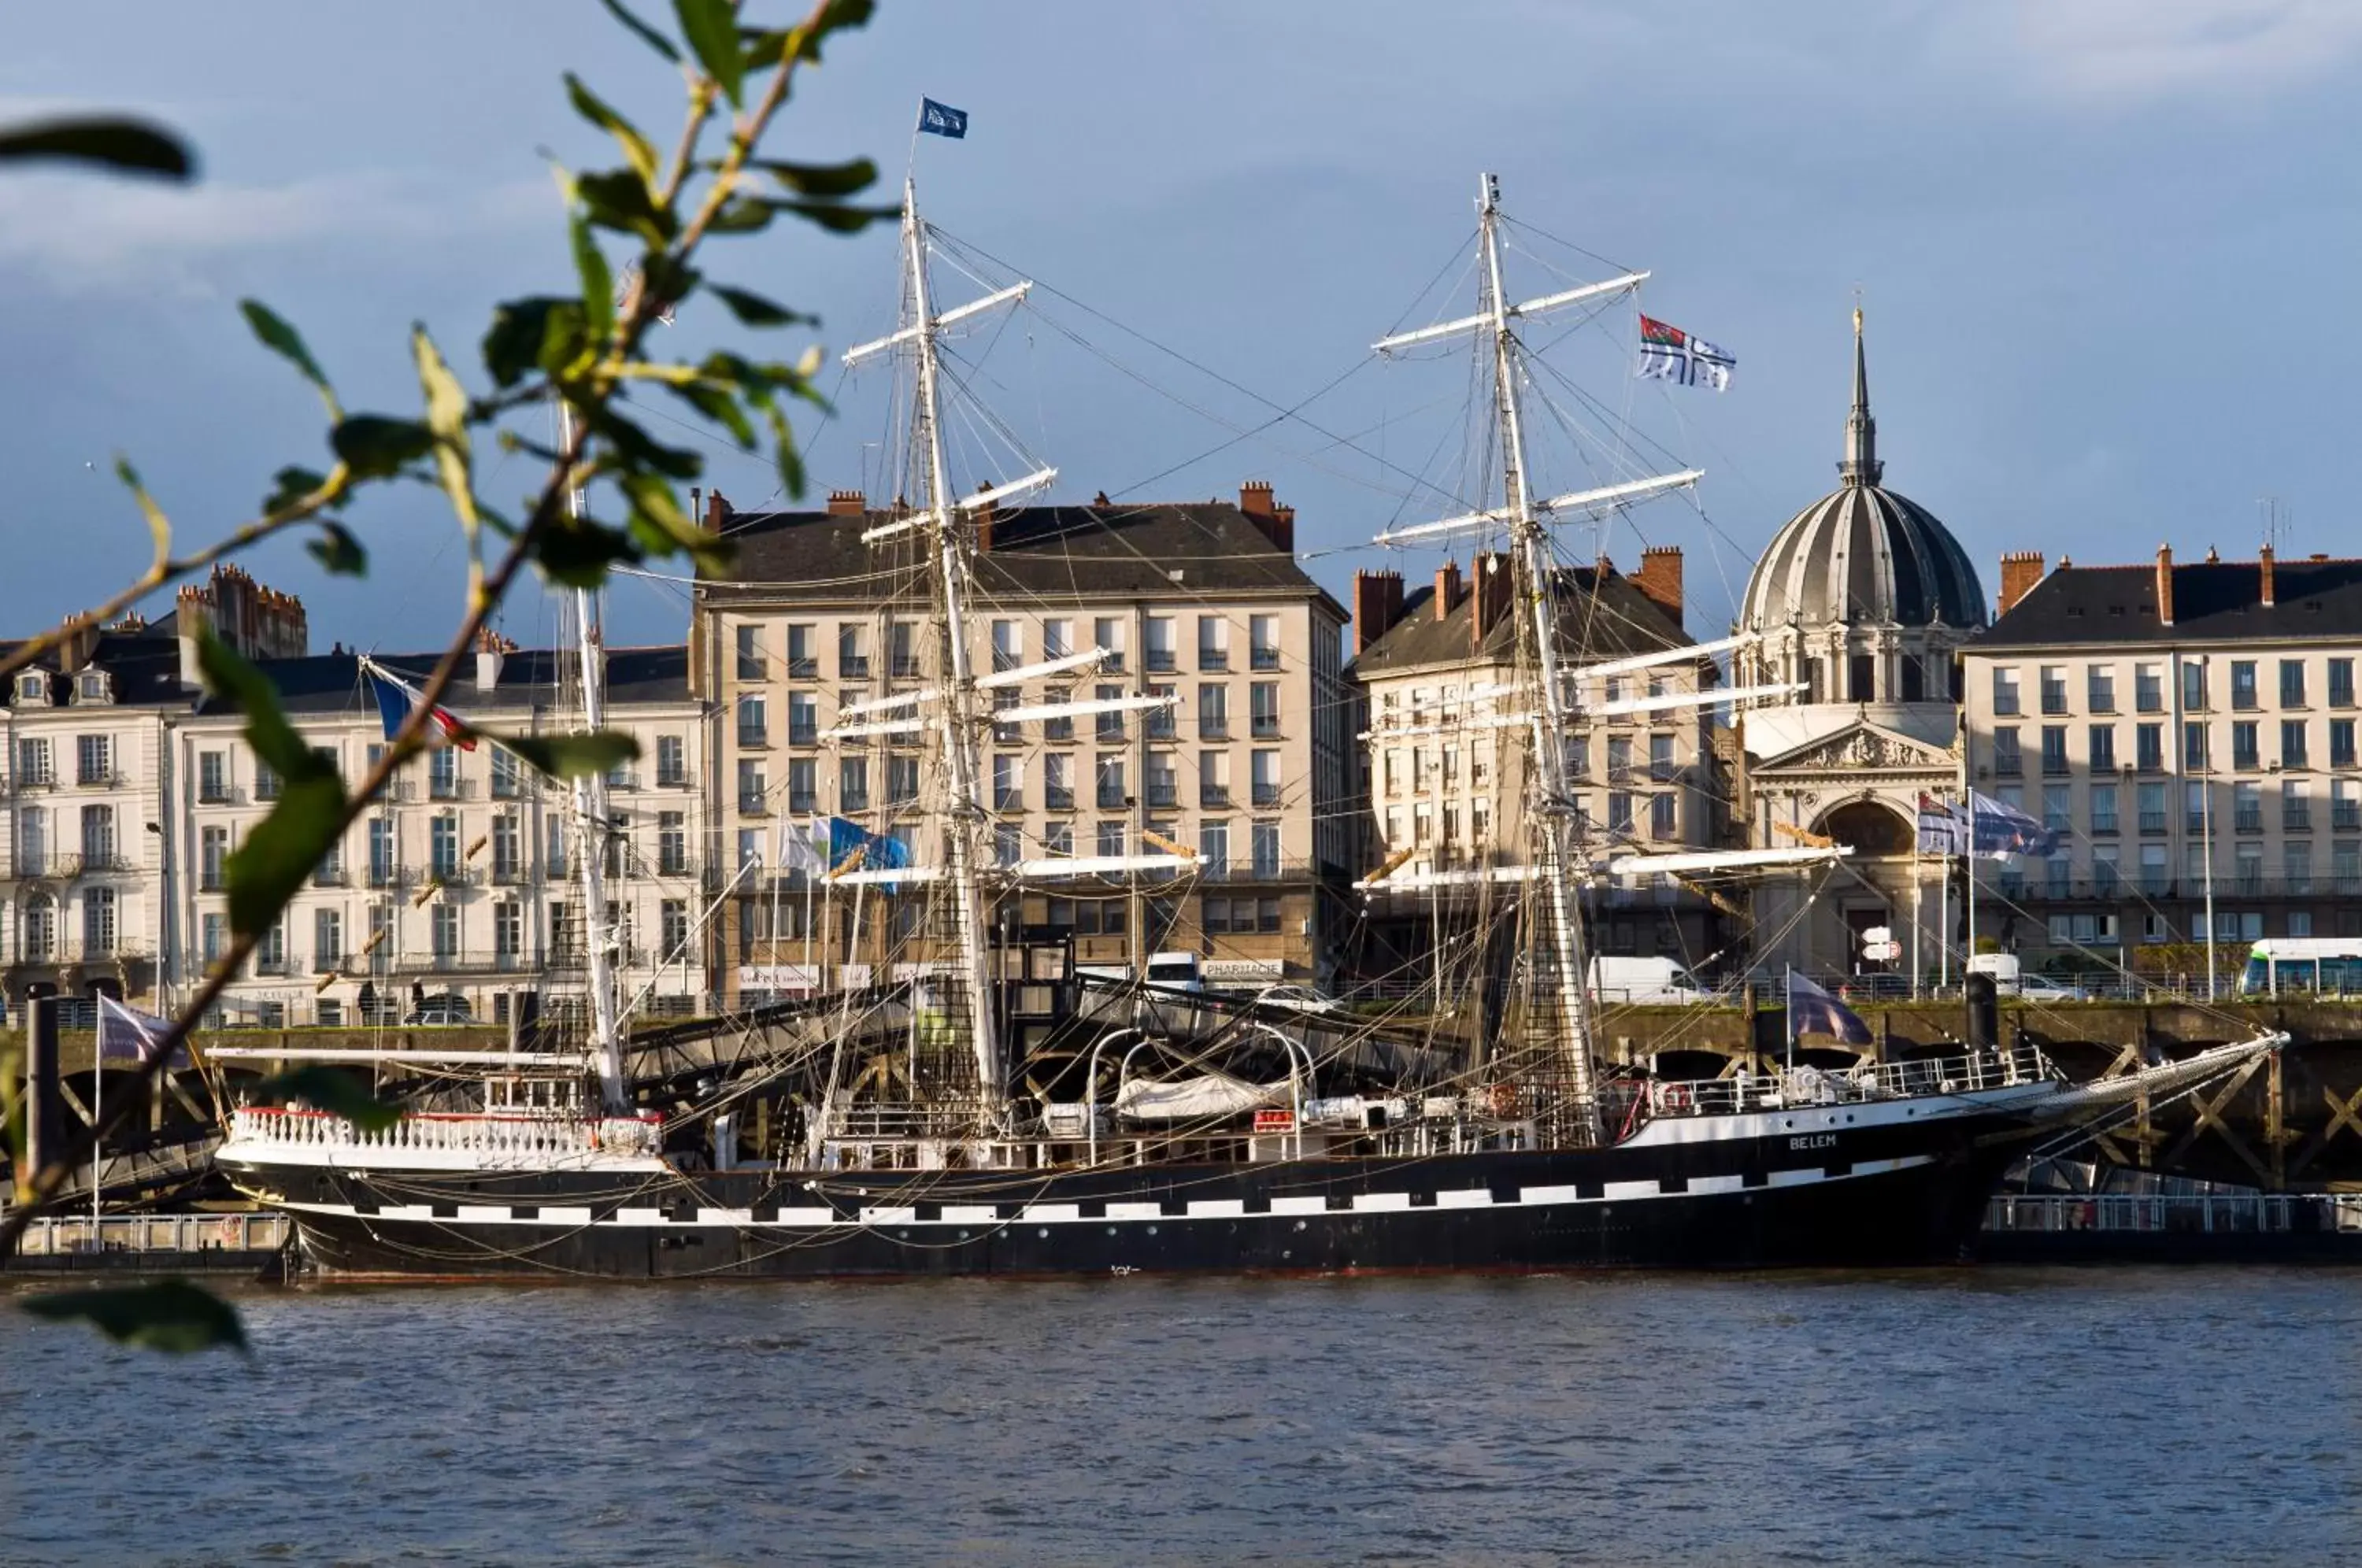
[396,703]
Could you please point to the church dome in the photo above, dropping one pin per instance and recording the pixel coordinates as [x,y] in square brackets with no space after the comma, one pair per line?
[1863,555]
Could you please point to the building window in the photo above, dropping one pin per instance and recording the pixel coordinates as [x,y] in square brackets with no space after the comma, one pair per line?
[97,838]
[94,759]
[2242,683]
[2341,683]
[1213,712]
[1109,774]
[901,780]
[2195,809]
[2103,748]
[672,928]
[1164,780]
[2005,691]
[1262,773]
[2100,683]
[1058,782]
[672,844]
[2155,881]
[442,774]
[1262,702]
[1109,842]
[852,651]
[1263,842]
[804,652]
[445,929]
[1106,635]
[1062,727]
[754,790]
[1665,816]
[212,853]
[1214,843]
[1263,642]
[2054,749]
[2193,684]
[2152,808]
[2104,808]
[2149,687]
[2193,747]
[213,938]
[1058,839]
[2248,808]
[2149,742]
[853,784]
[1007,844]
[1008,647]
[1861,675]
[1213,642]
[2008,762]
[327,939]
[804,719]
[2341,743]
[2296,807]
[902,650]
[1164,721]
[753,722]
[2292,743]
[2291,683]
[1108,725]
[98,923]
[2105,878]
[2296,867]
[1162,650]
[213,778]
[508,933]
[672,762]
[2054,688]
[507,778]
[33,764]
[2245,752]
[752,666]
[1007,782]
[1213,779]
[443,845]
[1003,698]
[803,784]
[1620,811]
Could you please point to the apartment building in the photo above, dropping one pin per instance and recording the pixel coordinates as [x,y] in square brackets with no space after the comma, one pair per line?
[1202,604]
[463,880]
[2187,729]
[127,789]
[1446,782]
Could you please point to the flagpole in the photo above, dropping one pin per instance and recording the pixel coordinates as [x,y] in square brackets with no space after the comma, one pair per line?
[778,870]
[1788,1015]
[1969,963]
[97,1121]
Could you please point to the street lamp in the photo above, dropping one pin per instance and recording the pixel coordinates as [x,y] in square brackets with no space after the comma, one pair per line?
[168,925]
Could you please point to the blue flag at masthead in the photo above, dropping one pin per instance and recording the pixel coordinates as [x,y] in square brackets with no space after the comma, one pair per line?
[942,119]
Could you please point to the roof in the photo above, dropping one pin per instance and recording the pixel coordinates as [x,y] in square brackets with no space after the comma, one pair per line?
[146,669]
[2212,601]
[1863,554]
[1191,549]
[1602,614]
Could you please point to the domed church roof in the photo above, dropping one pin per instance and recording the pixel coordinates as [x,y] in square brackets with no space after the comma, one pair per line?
[1863,554]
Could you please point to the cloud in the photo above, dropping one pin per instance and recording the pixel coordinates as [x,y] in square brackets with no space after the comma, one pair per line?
[2117,50]
[83,235]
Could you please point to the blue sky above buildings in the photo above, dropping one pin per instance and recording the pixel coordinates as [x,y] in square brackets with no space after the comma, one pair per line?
[2104,248]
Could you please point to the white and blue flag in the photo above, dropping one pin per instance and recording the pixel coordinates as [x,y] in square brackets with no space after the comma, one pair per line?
[942,119]
[1667,353]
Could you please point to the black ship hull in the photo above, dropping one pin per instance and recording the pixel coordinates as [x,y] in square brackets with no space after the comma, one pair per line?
[1878,1196]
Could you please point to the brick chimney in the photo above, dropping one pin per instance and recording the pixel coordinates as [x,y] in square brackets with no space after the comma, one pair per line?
[847,503]
[492,650]
[1377,605]
[1277,521]
[1449,590]
[1492,588]
[259,622]
[2264,560]
[2020,570]
[985,519]
[1660,578]
[717,512]
[2165,585]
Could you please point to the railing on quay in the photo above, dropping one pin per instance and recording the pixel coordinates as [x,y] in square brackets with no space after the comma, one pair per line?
[69,1235]
[2253,1212]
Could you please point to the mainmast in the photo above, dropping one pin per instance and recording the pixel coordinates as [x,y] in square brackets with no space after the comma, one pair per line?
[1556,819]
[591,827]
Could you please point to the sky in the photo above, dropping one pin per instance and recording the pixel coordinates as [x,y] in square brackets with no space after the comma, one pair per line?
[2104,248]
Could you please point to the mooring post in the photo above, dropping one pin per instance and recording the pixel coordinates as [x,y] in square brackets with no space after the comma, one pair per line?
[43,1126]
[1983,1000]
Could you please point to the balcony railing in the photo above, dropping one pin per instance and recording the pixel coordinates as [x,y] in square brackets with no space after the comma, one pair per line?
[754,802]
[1165,795]
[2009,765]
[1111,798]
[328,875]
[450,789]
[1213,795]
[1057,797]
[2134,884]
[1263,659]
[1266,795]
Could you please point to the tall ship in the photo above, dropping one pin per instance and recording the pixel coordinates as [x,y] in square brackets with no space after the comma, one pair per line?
[978,1103]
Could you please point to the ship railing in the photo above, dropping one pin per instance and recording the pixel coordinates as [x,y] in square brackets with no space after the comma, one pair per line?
[1806,1085]
[490,1133]
[913,1119]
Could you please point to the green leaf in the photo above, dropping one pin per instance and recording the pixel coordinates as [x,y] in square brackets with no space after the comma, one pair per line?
[597,284]
[638,448]
[614,198]
[447,417]
[717,405]
[571,756]
[169,1315]
[660,525]
[376,447]
[647,35]
[711,28]
[513,344]
[325,1089]
[290,485]
[126,146]
[577,553]
[160,527]
[339,551]
[279,851]
[837,218]
[287,344]
[753,310]
[822,179]
[637,150]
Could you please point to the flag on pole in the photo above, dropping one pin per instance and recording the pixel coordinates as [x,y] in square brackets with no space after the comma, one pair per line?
[1942,828]
[1997,829]
[803,845]
[1812,1011]
[126,1033]
[942,119]
[1667,353]
[396,701]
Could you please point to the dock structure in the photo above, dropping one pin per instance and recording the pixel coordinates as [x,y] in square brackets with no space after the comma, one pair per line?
[250,1244]
[2147,1228]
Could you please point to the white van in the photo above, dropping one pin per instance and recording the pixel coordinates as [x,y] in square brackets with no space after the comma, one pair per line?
[1657,981]
[1174,971]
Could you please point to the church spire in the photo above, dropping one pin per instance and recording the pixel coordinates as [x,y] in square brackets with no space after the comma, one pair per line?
[1861,465]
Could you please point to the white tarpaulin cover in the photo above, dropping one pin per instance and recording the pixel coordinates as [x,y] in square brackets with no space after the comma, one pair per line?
[1193,1099]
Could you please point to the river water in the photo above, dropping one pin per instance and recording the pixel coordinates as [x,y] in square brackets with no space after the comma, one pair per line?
[2024,1416]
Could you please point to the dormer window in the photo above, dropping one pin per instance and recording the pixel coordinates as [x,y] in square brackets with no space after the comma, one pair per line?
[93,686]
[32,686]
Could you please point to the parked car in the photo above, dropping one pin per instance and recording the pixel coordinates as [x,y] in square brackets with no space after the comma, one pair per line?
[2043,989]
[1302,999]
[449,1008]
